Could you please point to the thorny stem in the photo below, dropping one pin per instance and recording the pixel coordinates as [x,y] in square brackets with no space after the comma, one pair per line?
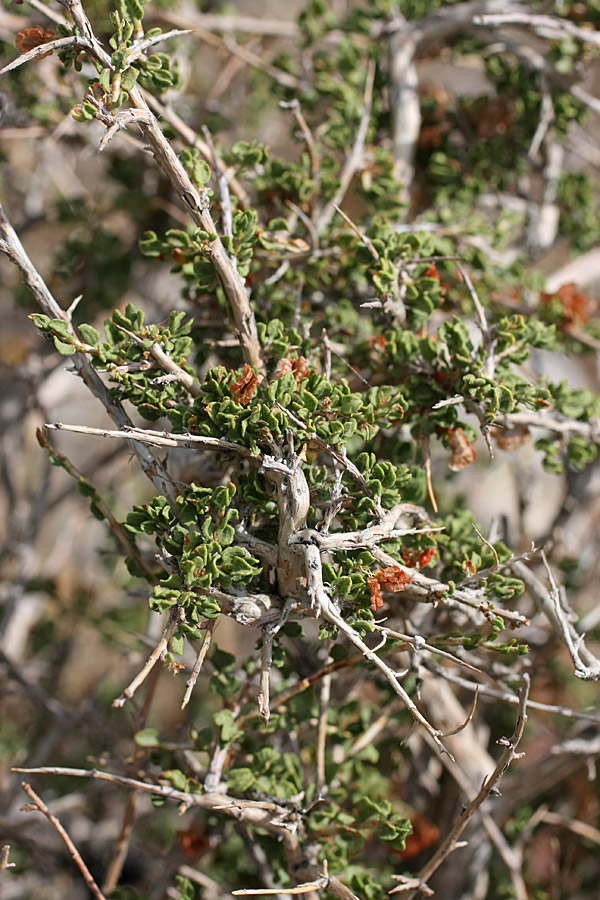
[587,666]
[193,200]
[326,610]
[266,661]
[487,690]
[488,788]
[355,158]
[276,819]
[315,167]
[158,438]
[115,867]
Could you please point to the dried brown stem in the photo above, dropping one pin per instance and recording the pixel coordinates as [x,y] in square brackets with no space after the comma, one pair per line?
[4,863]
[158,653]
[74,852]
[278,820]
[115,867]
[320,744]
[488,788]
[266,661]
[189,687]
[313,155]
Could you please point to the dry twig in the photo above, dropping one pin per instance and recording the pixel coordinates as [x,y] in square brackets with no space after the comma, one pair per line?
[488,788]
[553,605]
[39,804]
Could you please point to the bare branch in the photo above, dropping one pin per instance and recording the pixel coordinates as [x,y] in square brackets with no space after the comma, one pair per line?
[355,158]
[404,102]
[488,788]
[77,43]
[4,863]
[158,438]
[487,690]
[587,666]
[189,686]
[38,803]
[325,609]
[552,27]
[115,867]
[159,651]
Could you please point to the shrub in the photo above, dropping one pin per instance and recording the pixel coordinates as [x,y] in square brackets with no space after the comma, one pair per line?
[362,332]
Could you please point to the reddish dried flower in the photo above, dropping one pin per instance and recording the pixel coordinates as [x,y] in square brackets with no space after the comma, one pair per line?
[577,308]
[194,841]
[393,579]
[417,559]
[244,389]
[511,438]
[379,341]
[376,597]
[497,117]
[424,834]
[30,38]
[298,367]
[463,453]
[179,256]
[282,368]
[431,272]
[431,135]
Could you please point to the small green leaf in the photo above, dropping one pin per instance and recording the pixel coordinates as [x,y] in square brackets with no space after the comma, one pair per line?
[240,780]
[224,720]
[63,348]
[89,334]
[177,778]
[147,737]
[129,78]
[177,644]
